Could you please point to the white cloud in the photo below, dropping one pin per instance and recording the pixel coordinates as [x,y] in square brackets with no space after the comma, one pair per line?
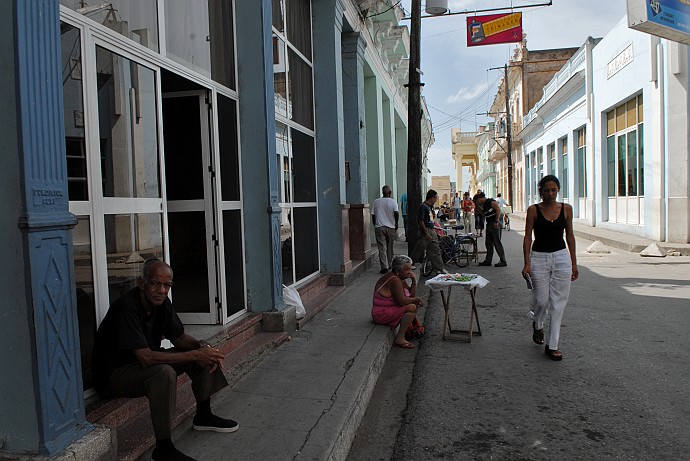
[467,94]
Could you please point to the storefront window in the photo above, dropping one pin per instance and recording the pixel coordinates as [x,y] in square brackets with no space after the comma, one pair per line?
[295,150]
[128,127]
[625,154]
[297,196]
[130,240]
[300,92]
[298,25]
[293,77]
[234,260]
[229,150]
[222,28]
[611,165]
[86,304]
[581,163]
[73,95]
[135,19]
[187,34]
[279,77]
[304,167]
[306,252]
[563,146]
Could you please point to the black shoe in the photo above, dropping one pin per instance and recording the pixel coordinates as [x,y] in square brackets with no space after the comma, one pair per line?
[537,335]
[553,354]
[500,264]
[484,263]
[383,271]
[171,455]
[214,423]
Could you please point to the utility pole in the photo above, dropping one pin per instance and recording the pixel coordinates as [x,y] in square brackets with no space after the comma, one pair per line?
[509,136]
[414,127]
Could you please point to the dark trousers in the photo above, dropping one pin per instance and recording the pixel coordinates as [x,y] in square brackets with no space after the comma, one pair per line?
[158,383]
[430,247]
[492,238]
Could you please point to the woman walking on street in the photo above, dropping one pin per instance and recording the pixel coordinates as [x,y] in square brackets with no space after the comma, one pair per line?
[548,264]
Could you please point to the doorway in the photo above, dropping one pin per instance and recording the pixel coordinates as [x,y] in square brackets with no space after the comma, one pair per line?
[191,205]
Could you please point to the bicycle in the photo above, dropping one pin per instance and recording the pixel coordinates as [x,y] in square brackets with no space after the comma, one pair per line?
[458,249]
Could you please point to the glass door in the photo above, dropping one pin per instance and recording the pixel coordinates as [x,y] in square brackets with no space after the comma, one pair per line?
[190,204]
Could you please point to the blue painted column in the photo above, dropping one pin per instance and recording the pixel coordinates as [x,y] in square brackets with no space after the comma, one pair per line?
[259,167]
[354,47]
[330,143]
[46,227]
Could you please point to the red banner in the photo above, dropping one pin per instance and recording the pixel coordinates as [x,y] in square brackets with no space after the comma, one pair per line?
[494,28]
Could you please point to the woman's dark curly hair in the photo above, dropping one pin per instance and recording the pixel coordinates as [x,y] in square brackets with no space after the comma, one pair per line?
[548,178]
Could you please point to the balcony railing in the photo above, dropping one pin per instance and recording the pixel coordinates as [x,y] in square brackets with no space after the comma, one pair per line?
[573,65]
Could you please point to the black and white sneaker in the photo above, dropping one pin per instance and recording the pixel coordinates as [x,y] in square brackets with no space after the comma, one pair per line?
[214,423]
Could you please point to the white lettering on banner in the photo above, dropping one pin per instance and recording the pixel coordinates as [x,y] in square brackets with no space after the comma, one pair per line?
[623,58]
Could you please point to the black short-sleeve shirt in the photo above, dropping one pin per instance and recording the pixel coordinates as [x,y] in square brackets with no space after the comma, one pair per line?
[425,213]
[126,327]
[489,212]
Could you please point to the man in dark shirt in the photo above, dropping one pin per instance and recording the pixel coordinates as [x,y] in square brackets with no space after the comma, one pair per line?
[128,360]
[427,239]
[489,208]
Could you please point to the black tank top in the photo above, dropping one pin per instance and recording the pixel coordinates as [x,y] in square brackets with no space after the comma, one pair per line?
[548,235]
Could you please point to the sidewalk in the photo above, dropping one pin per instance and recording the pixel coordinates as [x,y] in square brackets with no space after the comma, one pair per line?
[623,241]
[306,399]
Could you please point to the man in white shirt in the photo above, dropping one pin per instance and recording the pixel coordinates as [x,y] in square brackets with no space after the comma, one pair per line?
[501,203]
[457,214]
[384,215]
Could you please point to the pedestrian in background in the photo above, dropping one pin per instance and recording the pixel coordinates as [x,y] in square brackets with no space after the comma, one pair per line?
[467,207]
[403,208]
[478,216]
[490,210]
[427,239]
[501,203]
[548,264]
[384,213]
[456,207]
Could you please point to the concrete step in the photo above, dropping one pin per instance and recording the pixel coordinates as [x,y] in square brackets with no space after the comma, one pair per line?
[244,345]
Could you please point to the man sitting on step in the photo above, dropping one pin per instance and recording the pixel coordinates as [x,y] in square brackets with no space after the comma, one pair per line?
[128,360]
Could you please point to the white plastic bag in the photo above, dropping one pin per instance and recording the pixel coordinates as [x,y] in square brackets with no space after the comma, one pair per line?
[291,298]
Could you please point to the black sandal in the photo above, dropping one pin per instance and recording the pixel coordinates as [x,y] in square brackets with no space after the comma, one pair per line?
[555,355]
[537,335]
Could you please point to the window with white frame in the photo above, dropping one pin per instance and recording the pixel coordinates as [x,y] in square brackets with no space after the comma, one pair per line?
[624,149]
[551,154]
[563,150]
[581,152]
[295,148]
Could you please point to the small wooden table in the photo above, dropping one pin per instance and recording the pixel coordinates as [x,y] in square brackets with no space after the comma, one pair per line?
[445,283]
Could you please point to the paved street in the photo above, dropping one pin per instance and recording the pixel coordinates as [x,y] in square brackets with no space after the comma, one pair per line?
[621,391]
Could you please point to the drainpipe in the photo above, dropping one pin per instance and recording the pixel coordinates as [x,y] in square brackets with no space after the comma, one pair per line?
[663,136]
[589,82]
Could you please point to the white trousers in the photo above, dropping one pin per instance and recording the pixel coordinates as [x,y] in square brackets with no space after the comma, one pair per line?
[551,274]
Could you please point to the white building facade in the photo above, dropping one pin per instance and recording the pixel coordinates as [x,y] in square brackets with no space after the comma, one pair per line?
[613,127]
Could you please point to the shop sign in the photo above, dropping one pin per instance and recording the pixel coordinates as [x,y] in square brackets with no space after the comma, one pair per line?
[494,28]
[664,18]
[621,60]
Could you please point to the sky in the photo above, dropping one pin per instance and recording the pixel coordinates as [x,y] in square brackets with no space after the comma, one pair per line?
[458,82]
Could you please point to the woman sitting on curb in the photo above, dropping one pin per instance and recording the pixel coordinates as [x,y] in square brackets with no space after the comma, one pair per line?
[395,302]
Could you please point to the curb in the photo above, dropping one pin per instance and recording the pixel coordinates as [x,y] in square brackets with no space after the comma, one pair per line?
[331,438]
